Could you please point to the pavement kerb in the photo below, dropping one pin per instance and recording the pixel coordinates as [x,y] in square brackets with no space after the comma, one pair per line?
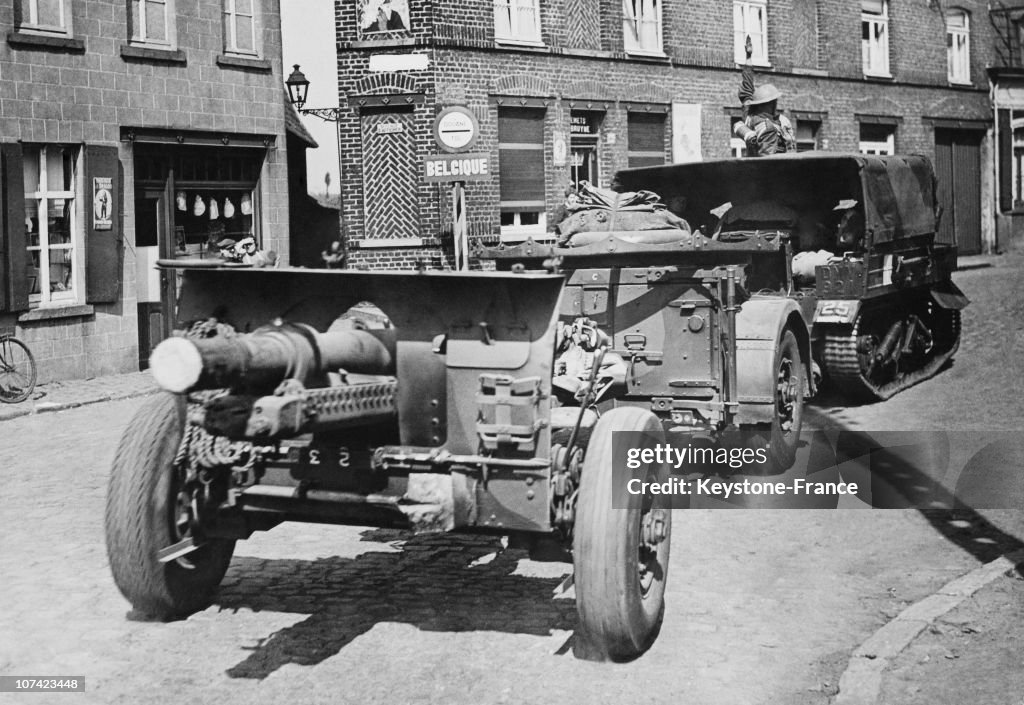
[861,683]
[45,407]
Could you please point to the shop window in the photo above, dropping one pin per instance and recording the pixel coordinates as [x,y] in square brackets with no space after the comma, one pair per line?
[645,139]
[52,225]
[521,172]
[641,26]
[874,23]
[152,22]
[517,20]
[958,46]
[877,139]
[584,132]
[807,135]
[240,27]
[750,19]
[45,16]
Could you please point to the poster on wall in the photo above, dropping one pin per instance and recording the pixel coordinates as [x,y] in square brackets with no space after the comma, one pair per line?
[102,203]
[383,16]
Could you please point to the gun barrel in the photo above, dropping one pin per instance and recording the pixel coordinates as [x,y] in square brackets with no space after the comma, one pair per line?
[265,358]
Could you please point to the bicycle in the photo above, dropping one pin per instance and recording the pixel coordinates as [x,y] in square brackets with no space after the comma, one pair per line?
[17,370]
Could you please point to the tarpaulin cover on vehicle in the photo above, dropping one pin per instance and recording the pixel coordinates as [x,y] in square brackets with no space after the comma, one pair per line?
[896,193]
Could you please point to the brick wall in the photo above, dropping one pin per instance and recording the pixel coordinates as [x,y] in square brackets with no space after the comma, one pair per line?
[51,95]
[814,51]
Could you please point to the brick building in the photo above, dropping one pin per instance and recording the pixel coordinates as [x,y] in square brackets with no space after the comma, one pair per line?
[130,130]
[576,89]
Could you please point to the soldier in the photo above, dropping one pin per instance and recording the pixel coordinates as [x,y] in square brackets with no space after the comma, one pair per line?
[763,129]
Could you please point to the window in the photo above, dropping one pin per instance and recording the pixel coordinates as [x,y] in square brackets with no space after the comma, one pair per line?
[521,172]
[807,135]
[1018,162]
[874,24]
[641,26]
[958,46]
[239,27]
[645,139]
[750,18]
[51,16]
[152,22]
[51,219]
[877,139]
[517,20]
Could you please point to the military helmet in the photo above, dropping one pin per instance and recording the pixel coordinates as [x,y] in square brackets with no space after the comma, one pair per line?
[765,94]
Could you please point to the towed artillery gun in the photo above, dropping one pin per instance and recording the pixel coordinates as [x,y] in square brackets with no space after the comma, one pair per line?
[484,401]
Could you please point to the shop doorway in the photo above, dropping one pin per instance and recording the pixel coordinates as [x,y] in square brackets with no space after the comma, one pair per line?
[958,171]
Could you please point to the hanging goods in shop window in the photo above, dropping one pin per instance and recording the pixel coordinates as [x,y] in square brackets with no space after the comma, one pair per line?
[198,208]
[229,209]
[214,210]
[180,201]
[246,205]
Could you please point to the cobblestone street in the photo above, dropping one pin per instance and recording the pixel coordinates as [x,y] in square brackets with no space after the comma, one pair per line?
[762,606]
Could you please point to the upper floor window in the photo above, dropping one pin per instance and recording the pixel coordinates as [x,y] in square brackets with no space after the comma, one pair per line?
[52,224]
[152,21]
[239,27]
[958,46]
[874,24]
[45,16]
[517,20]
[750,19]
[641,26]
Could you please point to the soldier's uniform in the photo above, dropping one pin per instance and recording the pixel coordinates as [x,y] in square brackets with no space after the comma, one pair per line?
[764,131]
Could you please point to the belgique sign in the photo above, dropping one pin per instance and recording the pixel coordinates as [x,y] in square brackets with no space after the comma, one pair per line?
[457,167]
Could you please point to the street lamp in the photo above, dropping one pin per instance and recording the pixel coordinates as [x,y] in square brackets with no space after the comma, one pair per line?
[298,88]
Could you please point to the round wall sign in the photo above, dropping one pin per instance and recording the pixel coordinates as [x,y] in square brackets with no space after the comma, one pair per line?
[456,129]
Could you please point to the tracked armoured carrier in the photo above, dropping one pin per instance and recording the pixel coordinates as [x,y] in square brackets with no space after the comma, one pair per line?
[883,311]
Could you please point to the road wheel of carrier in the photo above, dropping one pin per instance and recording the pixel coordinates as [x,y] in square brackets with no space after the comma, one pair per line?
[781,438]
[145,514]
[620,555]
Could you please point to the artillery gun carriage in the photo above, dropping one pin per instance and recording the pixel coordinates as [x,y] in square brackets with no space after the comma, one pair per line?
[487,401]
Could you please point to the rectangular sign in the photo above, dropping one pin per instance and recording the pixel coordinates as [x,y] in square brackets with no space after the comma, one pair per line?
[457,167]
[102,203]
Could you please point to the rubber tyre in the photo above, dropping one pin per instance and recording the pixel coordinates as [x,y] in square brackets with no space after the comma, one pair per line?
[618,621]
[15,353]
[780,444]
[140,519]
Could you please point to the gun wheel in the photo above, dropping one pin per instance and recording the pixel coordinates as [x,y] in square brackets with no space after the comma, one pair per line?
[147,511]
[620,555]
[780,440]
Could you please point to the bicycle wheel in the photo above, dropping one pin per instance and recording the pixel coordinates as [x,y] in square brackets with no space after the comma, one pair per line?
[17,371]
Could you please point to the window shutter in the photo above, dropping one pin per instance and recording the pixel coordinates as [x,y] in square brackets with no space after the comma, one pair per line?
[13,239]
[1005,147]
[103,251]
[645,138]
[521,158]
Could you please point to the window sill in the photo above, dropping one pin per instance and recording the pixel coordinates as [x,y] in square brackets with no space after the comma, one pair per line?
[878,77]
[954,82]
[234,61]
[754,64]
[646,53]
[150,53]
[26,40]
[512,41]
[379,243]
[50,313]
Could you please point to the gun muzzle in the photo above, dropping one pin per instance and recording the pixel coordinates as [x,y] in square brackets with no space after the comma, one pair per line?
[263,359]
